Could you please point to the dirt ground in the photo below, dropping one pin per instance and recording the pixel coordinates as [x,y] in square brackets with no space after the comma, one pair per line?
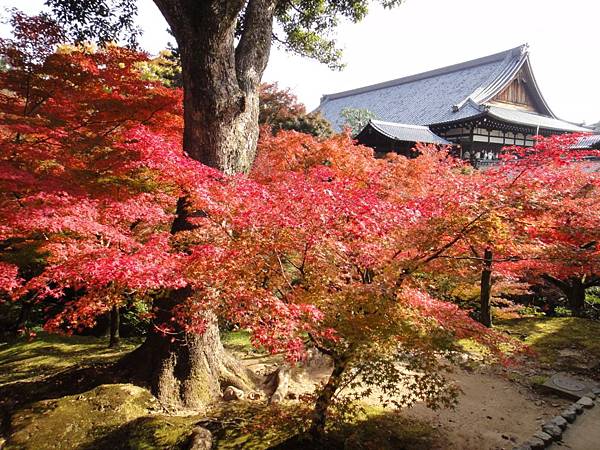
[492,413]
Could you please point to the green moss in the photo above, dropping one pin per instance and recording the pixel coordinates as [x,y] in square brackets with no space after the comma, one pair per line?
[237,340]
[537,380]
[148,433]
[28,360]
[252,425]
[76,421]
[547,336]
[388,430]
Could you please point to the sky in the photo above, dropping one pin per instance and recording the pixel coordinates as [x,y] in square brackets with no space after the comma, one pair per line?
[420,35]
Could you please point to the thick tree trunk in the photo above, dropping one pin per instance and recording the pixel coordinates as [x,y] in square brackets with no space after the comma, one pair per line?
[320,412]
[220,83]
[115,321]
[185,370]
[485,314]
[221,79]
[207,133]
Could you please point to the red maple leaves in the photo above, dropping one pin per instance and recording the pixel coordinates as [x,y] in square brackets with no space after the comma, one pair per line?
[320,240]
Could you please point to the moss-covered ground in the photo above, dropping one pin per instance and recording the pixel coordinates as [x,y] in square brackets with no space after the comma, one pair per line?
[124,416]
[30,359]
[551,337]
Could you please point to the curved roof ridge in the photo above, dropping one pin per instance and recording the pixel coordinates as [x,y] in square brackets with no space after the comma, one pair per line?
[398,124]
[428,74]
[499,79]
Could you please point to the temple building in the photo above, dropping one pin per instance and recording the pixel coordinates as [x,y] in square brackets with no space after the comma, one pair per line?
[477,106]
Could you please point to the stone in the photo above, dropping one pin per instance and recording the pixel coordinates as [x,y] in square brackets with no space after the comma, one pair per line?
[552,429]
[596,390]
[591,395]
[232,393]
[536,443]
[544,437]
[560,421]
[569,415]
[524,446]
[578,407]
[201,439]
[568,386]
[586,402]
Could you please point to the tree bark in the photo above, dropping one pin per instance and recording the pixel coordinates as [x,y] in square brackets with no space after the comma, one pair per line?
[115,321]
[184,370]
[485,314]
[220,79]
[574,289]
[320,412]
[220,83]
[575,295]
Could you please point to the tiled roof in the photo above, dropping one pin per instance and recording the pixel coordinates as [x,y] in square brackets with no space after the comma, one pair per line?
[533,120]
[442,95]
[591,141]
[448,94]
[406,133]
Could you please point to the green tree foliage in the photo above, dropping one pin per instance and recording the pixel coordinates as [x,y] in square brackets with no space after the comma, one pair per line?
[356,119]
[164,68]
[97,20]
[305,26]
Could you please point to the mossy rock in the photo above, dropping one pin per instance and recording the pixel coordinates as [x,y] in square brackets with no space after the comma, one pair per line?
[76,421]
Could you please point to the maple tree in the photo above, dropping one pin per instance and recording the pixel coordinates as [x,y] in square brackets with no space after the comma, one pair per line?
[281,110]
[540,221]
[320,245]
[96,177]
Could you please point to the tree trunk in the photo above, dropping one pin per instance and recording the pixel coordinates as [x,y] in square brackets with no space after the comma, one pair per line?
[485,314]
[574,289]
[220,79]
[575,293]
[320,412]
[220,82]
[115,320]
[185,370]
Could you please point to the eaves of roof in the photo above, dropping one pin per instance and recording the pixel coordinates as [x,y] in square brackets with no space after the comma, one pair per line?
[406,133]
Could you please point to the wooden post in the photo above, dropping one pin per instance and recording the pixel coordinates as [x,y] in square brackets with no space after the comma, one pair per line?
[485,315]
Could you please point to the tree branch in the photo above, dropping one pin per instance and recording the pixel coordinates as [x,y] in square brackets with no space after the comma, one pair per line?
[555,281]
[252,52]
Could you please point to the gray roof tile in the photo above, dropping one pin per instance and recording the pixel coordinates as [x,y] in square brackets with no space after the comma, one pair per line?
[533,120]
[448,94]
[427,98]
[407,133]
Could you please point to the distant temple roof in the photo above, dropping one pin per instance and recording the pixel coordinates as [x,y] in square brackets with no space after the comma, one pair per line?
[450,94]
[534,120]
[404,132]
[590,141]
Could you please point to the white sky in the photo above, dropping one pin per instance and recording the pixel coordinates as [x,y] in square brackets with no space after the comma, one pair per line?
[420,35]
